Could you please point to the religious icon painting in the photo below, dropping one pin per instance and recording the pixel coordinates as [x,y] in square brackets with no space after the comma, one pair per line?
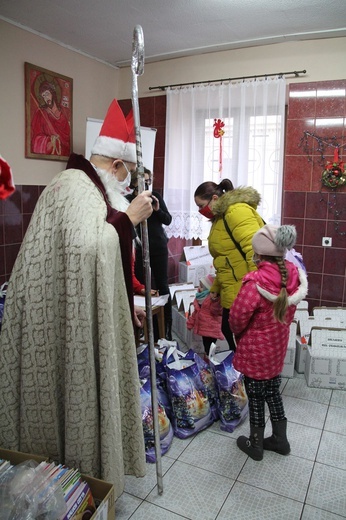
[48,114]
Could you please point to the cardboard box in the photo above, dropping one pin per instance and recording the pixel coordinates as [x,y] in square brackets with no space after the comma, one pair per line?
[325,365]
[301,314]
[288,369]
[184,299]
[338,313]
[303,335]
[179,324]
[186,338]
[195,263]
[102,492]
[174,287]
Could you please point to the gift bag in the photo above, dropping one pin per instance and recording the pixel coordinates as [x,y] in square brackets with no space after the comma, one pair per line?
[208,381]
[143,361]
[191,411]
[232,401]
[165,426]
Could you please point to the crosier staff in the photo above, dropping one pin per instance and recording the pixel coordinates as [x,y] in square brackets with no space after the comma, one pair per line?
[137,67]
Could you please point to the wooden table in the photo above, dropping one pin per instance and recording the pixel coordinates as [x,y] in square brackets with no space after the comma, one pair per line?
[156,310]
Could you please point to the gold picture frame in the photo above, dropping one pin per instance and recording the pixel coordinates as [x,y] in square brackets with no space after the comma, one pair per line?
[48,114]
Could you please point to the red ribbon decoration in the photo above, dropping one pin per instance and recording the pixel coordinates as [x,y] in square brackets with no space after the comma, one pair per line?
[218,133]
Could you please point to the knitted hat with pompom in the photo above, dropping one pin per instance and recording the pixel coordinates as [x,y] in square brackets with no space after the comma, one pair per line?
[274,240]
[207,281]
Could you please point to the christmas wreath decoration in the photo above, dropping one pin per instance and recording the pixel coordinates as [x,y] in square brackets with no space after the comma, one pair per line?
[334,174]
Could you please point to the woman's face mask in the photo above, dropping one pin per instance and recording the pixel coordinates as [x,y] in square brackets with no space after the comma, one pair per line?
[206,212]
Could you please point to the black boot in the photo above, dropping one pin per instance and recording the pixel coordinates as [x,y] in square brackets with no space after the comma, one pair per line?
[169,331]
[278,441]
[168,320]
[252,446]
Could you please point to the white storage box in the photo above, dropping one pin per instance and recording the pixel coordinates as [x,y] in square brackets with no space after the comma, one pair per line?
[336,313]
[325,365]
[186,337]
[303,334]
[301,314]
[303,304]
[288,369]
[195,263]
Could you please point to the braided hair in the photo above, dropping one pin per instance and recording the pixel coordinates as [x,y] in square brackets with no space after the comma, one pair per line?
[280,304]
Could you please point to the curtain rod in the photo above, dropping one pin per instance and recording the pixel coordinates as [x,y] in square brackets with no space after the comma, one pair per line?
[295,72]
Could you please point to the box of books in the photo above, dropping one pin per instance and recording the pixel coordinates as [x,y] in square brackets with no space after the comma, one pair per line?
[82,494]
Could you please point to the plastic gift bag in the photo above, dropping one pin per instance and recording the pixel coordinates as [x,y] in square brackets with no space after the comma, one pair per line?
[165,426]
[208,381]
[191,411]
[232,401]
[143,361]
[296,258]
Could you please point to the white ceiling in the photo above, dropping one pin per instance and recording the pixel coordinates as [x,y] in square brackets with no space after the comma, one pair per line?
[103,29]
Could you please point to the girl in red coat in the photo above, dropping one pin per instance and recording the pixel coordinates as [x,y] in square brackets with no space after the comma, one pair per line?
[207,315]
[260,318]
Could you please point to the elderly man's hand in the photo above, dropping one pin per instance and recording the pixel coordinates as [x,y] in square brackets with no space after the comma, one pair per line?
[140,208]
[139,315]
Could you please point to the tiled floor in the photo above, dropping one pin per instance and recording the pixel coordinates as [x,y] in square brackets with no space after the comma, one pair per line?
[207,477]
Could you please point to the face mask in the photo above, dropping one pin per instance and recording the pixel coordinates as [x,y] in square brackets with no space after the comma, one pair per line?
[123,186]
[206,212]
[255,259]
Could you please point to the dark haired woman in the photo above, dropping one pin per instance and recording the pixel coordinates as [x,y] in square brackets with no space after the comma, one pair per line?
[158,249]
[234,222]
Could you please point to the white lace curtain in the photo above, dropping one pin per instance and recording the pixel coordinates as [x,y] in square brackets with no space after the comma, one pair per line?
[250,151]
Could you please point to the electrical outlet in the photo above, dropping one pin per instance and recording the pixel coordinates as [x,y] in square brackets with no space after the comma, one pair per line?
[326,241]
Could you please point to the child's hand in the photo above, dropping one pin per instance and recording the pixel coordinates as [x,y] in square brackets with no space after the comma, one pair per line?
[214,296]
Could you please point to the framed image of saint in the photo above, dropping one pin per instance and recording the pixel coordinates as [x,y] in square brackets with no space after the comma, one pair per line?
[48,114]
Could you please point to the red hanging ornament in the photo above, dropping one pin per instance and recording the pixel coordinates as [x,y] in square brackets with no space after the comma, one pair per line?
[218,133]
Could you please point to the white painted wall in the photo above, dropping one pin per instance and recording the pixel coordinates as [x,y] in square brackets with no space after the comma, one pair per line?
[323,60]
[94,87]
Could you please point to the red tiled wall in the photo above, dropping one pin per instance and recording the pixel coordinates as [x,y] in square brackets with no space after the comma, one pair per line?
[15,214]
[317,211]
[305,204]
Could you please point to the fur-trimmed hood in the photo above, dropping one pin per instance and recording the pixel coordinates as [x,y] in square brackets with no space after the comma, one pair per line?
[244,194]
[268,282]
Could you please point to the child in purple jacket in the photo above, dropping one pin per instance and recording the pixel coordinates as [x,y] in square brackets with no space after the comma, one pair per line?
[260,318]
[207,315]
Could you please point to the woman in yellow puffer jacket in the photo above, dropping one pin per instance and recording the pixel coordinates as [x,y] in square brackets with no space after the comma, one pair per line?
[235,220]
